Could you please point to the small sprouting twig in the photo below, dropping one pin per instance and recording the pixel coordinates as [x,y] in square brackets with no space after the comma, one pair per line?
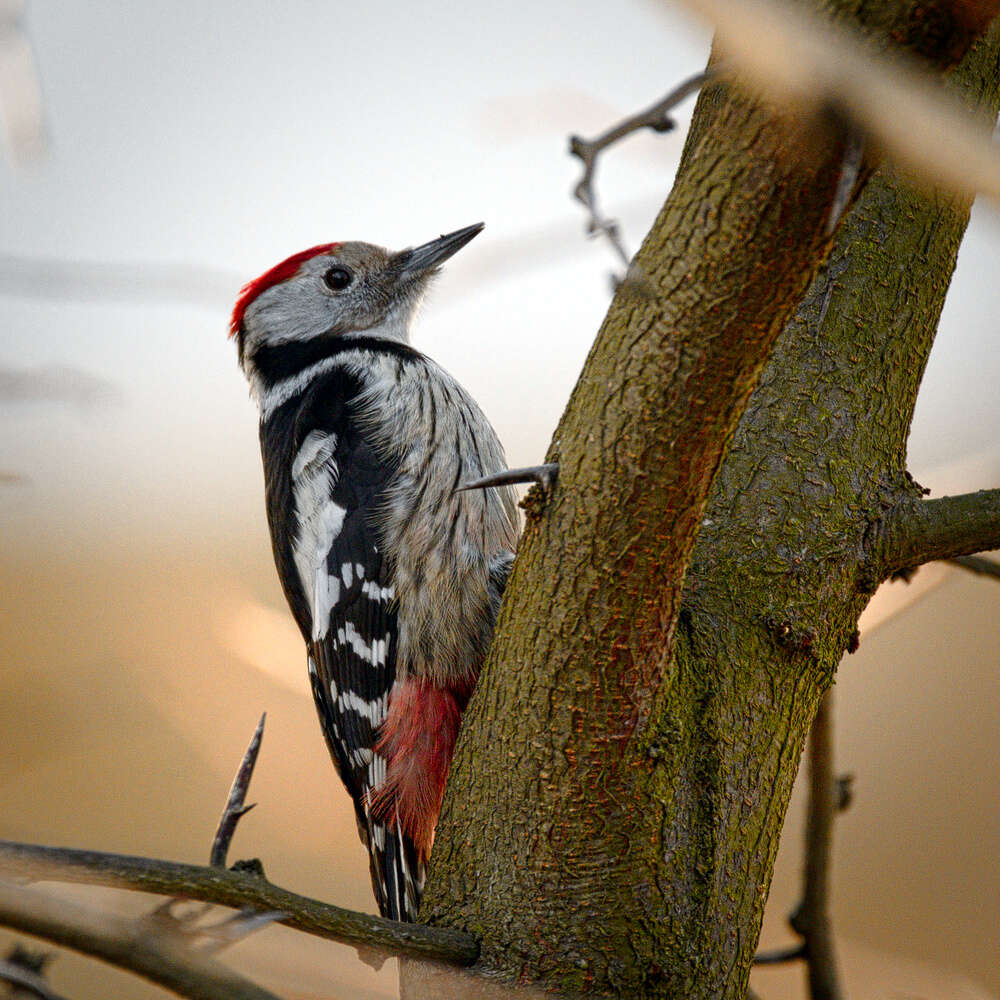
[544,475]
[978,564]
[850,172]
[189,924]
[235,808]
[24,979]
[780,955]
[656,117]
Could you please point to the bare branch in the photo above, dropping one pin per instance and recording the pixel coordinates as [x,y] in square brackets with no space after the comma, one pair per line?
[812,66]
[24,979]
[656,117]
[946,528]
[235,808]
[237,889]
[978,564]
[128,944]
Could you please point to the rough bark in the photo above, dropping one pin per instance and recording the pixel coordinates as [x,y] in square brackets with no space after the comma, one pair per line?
[615,804]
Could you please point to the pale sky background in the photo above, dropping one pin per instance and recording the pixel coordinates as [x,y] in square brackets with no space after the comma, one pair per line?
[187,148]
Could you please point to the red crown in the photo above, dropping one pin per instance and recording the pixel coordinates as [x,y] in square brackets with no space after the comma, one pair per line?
[279,273]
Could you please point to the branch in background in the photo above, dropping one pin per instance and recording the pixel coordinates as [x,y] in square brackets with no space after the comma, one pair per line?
[945,528]
[828,795]
[126,943]
[811,918]
[978,564]
[656,117]
[235,808]
[812,66]
[237,889]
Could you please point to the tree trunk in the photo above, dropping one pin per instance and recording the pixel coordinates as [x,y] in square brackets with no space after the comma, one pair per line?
[623,772]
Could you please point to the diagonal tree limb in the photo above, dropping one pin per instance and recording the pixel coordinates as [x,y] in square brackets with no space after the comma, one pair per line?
[619,698]
[128,944]
[236,889]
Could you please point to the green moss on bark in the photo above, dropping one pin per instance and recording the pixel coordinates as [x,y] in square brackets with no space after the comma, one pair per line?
[615,804]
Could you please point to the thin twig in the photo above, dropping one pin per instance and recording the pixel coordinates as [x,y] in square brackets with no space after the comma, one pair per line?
[544,475]
[128,944]
[978,564]
[25,979]
[237,889]
[656,117]
[780,955]
[235,808]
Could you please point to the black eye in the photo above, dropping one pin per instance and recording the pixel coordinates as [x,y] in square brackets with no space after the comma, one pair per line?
[338,278]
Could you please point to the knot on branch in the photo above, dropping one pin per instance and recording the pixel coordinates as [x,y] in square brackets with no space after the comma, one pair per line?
[787,634]
[249,866]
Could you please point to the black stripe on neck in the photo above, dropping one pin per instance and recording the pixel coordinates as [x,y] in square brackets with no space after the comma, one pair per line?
[277,362]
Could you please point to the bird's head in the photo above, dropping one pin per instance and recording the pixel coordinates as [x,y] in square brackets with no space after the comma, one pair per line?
[332,291]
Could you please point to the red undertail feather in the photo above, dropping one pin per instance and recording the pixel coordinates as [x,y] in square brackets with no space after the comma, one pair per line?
[418,741]
[279,273]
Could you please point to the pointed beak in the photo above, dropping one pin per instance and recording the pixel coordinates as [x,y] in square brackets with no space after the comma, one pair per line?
[419,260]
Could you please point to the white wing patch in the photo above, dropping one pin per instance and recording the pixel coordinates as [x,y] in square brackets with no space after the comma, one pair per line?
[314,474]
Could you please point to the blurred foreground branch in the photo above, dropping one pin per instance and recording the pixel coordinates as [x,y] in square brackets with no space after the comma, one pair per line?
[814,67]
[138,946]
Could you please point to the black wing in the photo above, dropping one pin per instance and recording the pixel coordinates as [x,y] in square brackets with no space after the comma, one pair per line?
[352,655]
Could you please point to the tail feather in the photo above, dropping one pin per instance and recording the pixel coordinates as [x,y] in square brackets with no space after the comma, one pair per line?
[397,870]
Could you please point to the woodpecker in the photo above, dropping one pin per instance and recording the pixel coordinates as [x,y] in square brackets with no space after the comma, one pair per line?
[393,567]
